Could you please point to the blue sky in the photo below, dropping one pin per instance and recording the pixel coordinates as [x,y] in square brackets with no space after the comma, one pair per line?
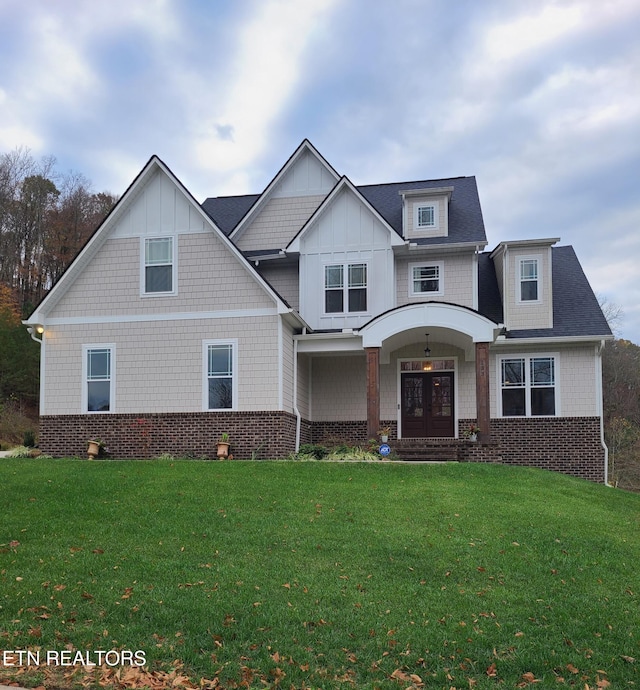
[539,99]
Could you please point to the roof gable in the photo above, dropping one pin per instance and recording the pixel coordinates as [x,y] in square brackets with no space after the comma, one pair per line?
[343,186]
[143,198]
[306,173]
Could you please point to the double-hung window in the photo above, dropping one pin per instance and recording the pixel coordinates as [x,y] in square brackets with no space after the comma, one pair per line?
[220,375]
[528,386]
[159,265]
[529,289]
[425,279]
[98,378]
[345,288]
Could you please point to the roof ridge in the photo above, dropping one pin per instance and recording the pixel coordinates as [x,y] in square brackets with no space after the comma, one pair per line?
[434,179]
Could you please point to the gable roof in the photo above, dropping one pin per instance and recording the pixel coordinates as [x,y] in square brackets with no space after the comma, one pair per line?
[466,224]
[343,183]
[227,207]
[102,233]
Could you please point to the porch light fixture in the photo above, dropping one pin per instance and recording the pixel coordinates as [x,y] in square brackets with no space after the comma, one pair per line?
[427,350]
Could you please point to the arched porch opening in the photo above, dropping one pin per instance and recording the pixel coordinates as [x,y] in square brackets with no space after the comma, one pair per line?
[427,390]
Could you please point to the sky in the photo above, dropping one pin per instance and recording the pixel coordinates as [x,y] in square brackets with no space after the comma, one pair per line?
[539,99]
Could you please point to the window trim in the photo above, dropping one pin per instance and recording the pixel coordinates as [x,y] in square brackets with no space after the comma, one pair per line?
[85,380]
[528,387]
[233,342]
[143,266]
[426,264]
[427,229]
[345,288]
[520,280]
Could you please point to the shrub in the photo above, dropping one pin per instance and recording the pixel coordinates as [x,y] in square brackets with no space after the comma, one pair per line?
[314,450]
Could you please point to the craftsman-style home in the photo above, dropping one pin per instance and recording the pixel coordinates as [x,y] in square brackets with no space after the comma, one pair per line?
[320,310]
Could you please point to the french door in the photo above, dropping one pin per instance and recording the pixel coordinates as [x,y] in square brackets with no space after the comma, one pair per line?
[427,406]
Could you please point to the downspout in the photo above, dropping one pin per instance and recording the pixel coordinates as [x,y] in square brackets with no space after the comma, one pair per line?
[38,329]
[599,400]
[296,411]
[476,287]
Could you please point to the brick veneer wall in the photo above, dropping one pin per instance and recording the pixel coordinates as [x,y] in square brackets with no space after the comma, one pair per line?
[267,434]
[571,445]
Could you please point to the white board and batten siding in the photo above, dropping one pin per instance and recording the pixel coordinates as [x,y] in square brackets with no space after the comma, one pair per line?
[346,232]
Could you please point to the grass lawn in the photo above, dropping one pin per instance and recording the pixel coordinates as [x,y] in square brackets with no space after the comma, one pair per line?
[324,575]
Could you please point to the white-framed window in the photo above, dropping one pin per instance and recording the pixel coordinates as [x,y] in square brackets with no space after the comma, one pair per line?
[98,376]
[528,386]
[426,279]
[529,290]
[425,216]
[158,266]
[220,364]
[345,288]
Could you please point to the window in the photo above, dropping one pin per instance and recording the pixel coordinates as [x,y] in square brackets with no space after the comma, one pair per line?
[220,371]
[98,377]
[158,265]
[528,280]
[528,387]
[425,279]
[338,292]
[426,216]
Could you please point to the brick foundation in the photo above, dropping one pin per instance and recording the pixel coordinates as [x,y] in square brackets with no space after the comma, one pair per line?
[252,434]
[570,445]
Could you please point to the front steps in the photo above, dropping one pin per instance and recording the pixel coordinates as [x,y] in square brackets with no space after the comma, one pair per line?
[427,449]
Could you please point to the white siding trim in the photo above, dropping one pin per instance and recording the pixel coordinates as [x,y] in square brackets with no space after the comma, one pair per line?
[174,267]
[175,316]
[234,373]
[427,264]
[112,380]
[528,356]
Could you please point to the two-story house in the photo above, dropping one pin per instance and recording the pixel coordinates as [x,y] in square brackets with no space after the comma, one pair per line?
[320,310]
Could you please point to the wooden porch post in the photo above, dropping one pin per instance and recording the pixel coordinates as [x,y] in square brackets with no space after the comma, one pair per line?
[373,391]
[482,391]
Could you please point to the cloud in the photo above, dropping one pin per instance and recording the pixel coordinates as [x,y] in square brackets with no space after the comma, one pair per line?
[262,76]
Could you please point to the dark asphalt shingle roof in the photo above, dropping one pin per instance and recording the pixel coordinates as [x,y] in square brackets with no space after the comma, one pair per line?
[489,302]
[228,211]
[576,311]
[465,215]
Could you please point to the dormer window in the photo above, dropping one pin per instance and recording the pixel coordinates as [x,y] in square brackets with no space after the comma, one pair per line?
[426,216]
[529,289]
[425,212]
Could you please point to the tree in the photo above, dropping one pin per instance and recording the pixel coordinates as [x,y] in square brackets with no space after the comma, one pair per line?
[621,393]
[45,219]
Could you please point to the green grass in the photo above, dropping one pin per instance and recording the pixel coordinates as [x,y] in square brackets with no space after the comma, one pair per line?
[337,575]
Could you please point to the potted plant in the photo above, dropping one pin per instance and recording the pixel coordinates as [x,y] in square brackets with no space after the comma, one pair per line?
[384,433]
[223,445]
[472,432]
[94,448]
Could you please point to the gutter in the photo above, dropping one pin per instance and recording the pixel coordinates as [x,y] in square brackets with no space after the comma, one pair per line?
[541,340]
